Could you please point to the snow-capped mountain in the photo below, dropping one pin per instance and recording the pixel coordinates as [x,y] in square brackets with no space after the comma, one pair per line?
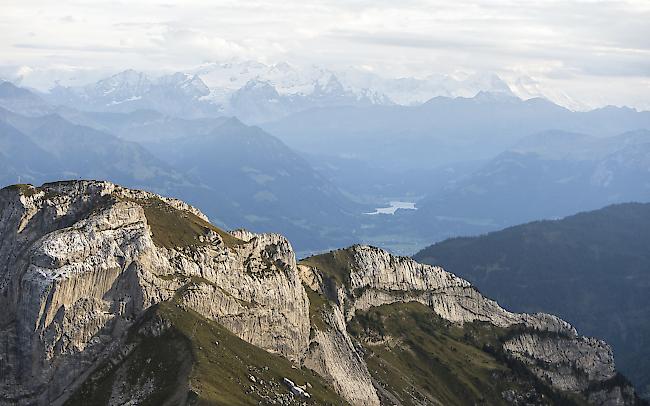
[224,79]
[123,87]
[220,88]
[252,91]
[527,88]
[256,92]
[269,97]
[414,91]
[175,94]
[44,78]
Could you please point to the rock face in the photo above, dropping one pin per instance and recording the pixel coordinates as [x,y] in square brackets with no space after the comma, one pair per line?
[332,354]
[550,347]
[81,261]
[383,278]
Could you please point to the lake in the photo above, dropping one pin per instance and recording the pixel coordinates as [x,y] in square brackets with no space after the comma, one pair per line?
[394,205]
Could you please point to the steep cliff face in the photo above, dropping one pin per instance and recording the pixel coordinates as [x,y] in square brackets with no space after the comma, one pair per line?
[93,276]
[83,260]
[361,278]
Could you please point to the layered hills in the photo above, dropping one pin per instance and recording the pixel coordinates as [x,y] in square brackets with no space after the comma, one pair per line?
[591,269]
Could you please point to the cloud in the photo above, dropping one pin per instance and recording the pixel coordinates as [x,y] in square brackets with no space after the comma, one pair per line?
[556,42]
[412,41]
[88,48]
[190,42]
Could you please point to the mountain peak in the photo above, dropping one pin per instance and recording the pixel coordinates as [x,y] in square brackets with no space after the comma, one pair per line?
[129,76]
[10,90]
[495,96]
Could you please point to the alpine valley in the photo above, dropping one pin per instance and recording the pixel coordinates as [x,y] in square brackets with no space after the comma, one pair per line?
[307,152]
[138,295]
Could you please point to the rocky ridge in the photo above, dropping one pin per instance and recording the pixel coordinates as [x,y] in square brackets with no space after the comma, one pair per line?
[83,261]
[549,346]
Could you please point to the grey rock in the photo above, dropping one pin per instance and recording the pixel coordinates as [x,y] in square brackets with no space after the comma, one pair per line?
[79,263]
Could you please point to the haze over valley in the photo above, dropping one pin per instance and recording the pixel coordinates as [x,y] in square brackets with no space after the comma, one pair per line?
[314,169]
[218,203]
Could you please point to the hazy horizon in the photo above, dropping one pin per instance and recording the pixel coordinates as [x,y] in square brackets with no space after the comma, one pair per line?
[581,54]
[325,202]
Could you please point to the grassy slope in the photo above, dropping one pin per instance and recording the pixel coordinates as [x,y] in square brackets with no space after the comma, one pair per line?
[418,357]
[23,189]
[176,228]
[334,265]
[187,361]
[170,227]
[318,306]
[185,364]
[591,269]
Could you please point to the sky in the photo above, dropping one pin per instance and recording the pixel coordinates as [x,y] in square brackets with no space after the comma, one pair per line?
[593,52]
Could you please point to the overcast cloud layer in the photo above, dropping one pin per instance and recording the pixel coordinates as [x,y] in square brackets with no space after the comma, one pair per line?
[596,53]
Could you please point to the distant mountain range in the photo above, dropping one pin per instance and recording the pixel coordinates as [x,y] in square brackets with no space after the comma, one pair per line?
[46,148]
[178,94]
[19,99]
[470,165]
[225,78]
[592,269]
[255,181]
[252,91]
[442,130]
[547,175]
[240,175]
[474,165]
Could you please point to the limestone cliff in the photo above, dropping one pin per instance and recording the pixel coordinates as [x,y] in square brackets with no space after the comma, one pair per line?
[82,262]
[362,277]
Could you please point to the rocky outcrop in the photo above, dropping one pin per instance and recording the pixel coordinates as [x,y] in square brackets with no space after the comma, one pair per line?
[569,363]
[573,364]
[547,345]
[381,278]
[82,261]
[332,354]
